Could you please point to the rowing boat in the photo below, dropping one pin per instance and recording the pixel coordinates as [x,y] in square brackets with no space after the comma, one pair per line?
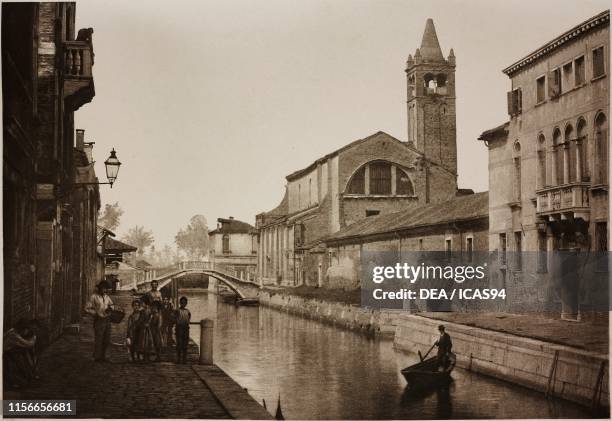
[427,373]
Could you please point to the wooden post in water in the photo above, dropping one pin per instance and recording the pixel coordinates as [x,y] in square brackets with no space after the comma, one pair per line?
[206,341]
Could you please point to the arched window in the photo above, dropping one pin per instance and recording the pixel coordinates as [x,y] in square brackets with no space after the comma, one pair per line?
[557,158]
[430,80]
[601,149]
[380,178]
[411,85]
[357,183]
[226,243]
[569,155]
[403,183]
[541,148]
[441,79]
[584,149]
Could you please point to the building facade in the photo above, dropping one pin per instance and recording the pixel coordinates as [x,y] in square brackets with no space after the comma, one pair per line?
[46,77]
[554,149]
[458,227]
[376,175]
[233,246]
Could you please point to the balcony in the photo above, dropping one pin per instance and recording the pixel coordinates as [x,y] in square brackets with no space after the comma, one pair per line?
[78,77]
[564,201]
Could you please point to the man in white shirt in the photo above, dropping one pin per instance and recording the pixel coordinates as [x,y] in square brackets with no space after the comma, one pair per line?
[99,306]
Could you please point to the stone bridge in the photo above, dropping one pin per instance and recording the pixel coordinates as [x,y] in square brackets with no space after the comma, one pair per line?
[224,275]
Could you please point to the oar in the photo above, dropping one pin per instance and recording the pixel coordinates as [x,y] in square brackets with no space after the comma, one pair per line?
[421,357]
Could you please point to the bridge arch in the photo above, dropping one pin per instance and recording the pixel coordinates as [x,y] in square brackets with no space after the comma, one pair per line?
[228,280]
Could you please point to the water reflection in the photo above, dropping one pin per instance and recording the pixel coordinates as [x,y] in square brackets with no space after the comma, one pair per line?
[322,372]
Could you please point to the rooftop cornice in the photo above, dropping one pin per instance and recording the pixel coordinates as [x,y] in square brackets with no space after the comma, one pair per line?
[586,26]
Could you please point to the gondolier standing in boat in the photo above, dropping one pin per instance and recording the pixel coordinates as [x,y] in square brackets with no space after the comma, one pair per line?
[445,346]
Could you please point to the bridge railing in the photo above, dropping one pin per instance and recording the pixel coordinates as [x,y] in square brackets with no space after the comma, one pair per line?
[195,265]
[246,274]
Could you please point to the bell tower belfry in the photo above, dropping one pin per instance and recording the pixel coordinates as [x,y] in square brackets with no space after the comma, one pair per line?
[432,126]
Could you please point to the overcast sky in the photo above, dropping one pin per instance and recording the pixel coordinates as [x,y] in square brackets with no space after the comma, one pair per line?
[210,104]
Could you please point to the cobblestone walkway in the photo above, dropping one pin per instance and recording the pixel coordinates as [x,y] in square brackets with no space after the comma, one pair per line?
[119,388]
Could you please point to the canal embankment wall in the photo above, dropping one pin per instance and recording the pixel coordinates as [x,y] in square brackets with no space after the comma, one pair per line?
[562,371]
[347,316]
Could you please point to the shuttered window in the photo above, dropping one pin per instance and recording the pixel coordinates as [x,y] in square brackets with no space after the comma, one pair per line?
[579,76]
[554,83]
[599,67]
[515,102]
[541,89]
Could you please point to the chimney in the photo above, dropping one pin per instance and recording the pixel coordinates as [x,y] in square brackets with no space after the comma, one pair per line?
[80,139]
[231,217]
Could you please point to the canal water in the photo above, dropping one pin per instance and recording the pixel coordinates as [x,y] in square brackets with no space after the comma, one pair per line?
[323,372]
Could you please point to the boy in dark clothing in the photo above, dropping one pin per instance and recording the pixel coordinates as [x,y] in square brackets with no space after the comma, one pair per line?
[167,321]
[182,319]
[133,330]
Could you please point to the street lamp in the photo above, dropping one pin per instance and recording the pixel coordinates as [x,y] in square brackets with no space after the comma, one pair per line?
[112,165]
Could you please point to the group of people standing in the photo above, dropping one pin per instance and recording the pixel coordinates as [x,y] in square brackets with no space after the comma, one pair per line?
[149,327]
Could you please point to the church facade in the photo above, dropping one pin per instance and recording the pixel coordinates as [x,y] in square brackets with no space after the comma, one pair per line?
[367,178]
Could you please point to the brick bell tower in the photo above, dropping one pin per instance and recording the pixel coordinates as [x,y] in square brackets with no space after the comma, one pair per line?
[432,126]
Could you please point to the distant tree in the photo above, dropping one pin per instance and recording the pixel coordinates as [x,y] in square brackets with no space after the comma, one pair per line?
[161,258]
[139,237]
[111,216]
[193,239]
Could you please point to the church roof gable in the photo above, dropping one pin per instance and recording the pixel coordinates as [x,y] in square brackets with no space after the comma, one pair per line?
[299,173]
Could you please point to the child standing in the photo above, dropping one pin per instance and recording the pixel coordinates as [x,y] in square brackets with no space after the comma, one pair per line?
[155,326]
[182,318]
[143,332]
[132,330]
[167,321]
